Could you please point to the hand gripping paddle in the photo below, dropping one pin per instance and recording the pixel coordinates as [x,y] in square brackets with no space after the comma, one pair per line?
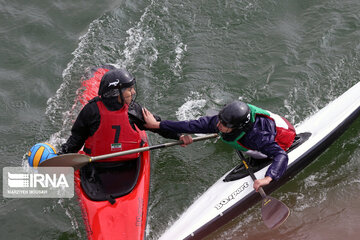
[274,212]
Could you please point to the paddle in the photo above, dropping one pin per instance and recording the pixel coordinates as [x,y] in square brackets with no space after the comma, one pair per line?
[79,160]
[274,212]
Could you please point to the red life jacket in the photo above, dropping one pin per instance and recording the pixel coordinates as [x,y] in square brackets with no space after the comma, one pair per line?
[114,134]
[285,136]
[285,131]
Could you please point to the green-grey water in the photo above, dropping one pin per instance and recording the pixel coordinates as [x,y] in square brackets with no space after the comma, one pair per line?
[189,57]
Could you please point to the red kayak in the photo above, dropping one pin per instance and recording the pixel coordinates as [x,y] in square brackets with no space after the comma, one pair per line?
[113,196]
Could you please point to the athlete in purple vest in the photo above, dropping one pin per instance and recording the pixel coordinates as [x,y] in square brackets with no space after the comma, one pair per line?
[257,132]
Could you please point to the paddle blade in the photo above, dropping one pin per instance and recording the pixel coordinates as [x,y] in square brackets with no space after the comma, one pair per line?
[67,160]
[274,212]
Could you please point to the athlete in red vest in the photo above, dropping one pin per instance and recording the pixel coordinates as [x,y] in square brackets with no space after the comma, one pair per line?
[110,122]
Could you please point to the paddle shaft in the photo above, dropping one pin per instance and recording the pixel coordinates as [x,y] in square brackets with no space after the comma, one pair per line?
[143,149]
[252,175]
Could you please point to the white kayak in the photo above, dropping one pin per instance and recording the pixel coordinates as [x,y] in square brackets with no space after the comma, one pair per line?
[225,200]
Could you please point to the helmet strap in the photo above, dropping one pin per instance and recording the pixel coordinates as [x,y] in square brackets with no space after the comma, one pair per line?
[121,96]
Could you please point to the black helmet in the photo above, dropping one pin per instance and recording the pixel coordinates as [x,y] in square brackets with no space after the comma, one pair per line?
[113,81]
[235,115]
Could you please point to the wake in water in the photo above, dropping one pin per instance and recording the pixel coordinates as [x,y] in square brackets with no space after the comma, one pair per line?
[134,50]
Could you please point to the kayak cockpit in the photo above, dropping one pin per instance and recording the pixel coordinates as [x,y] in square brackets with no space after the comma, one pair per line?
[103,181]
[257,164]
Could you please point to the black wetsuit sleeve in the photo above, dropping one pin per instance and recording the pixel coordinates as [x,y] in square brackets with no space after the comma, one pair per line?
[136,117]
[86,124]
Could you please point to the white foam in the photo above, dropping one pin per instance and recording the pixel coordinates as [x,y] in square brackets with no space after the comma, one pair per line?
[311,181]
[71,215]
[54,103]
[139,38]
[192,108]
[180,49]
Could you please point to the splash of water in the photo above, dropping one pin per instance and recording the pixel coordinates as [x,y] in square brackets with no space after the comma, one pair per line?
[192,108]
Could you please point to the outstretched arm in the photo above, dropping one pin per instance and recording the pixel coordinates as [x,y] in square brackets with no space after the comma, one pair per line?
[152,123]
[206,124]
[136,117]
